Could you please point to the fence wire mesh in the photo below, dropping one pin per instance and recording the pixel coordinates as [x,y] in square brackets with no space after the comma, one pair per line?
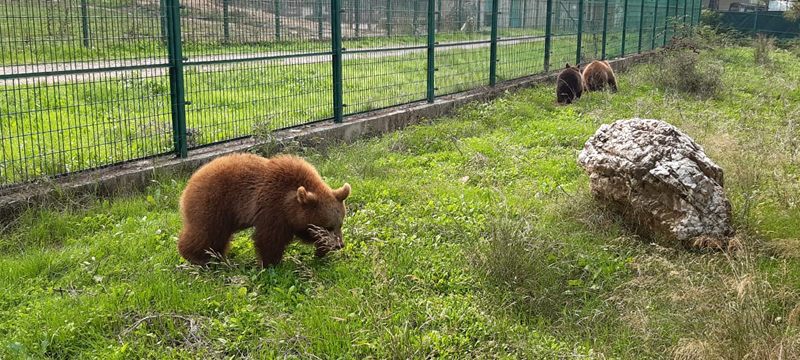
[90,83]
[769,23]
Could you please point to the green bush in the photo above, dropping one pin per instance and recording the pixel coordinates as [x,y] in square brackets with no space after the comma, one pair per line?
[680,71]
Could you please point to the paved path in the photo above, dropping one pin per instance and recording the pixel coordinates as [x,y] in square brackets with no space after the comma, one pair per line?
[91,71]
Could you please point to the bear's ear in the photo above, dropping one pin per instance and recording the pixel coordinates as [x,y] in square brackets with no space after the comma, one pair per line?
[304,196]
[567,67]
[342,192]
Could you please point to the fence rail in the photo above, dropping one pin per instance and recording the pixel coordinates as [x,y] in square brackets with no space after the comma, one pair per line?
[91,83]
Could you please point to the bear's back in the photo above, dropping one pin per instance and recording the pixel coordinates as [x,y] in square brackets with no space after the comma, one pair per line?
[290,172]
[569,77]
[225,185]
[595,69]
[242,185]
[231,172]
[597,74]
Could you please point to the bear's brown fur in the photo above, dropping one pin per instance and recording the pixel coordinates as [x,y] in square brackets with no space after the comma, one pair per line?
[569,85]
[597,75]
[281,197]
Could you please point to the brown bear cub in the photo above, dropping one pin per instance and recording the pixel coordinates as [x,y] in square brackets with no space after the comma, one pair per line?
[597,75]
[282,197]
[569,85]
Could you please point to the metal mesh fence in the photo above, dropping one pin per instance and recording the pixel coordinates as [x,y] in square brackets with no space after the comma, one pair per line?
[463,52]
[254,66]
[770,23]
[521,39]
[83,84]
[384,55]
[91,83]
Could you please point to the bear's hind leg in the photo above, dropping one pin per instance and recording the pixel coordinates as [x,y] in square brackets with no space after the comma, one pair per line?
[612,82]
[197,246]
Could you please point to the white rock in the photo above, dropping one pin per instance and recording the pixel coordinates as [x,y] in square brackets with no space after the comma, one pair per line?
[660,178]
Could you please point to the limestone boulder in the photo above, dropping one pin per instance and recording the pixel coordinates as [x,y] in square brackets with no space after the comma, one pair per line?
[661,179]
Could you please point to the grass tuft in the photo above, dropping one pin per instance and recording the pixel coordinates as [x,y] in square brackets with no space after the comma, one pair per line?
[763,46]
[682,71]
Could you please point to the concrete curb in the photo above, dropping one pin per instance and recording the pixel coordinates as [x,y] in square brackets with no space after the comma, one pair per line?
[136,175]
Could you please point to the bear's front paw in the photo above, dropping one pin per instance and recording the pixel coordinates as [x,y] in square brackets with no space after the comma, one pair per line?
[324,240]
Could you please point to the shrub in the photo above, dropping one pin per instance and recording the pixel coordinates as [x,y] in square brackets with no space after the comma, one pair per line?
[762,48]
[680,71]
[793,14]
[710,18]
[791,45]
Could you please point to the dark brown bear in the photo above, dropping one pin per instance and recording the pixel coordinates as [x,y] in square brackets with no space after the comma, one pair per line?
[597,75]
[569,85]
[281,197]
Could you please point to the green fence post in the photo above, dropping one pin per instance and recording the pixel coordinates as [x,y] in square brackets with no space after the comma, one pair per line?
[177,90]
[226,21]
[85,23]
[675,14]
[358,18]
[388,17]
[431,51]
[655,18]
[493,45]
[685,2]
[579,48]
[624,26]
[277,14]
[641,26]
[605,29]
[548,34]
[666,23]
[336,61]
[675,19]
[699,12]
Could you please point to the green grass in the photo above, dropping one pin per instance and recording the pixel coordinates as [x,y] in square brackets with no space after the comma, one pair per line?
[474,234]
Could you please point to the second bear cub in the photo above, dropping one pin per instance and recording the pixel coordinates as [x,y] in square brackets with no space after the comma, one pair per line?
[597,75]
[282,197]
